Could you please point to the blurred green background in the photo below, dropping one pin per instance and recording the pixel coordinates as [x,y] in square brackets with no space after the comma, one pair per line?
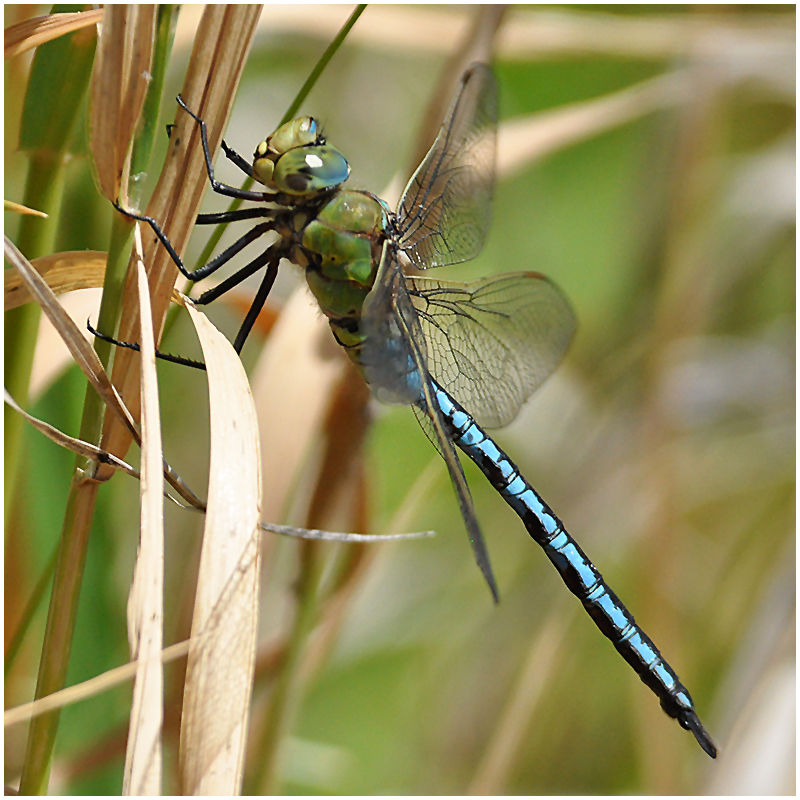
[665,442]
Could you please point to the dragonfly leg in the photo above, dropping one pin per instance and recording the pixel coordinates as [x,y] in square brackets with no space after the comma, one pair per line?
[234,216]
[215,263]
[226,255]
[244,165]
[221,188]
[240,275]
[186,362]
[272,260]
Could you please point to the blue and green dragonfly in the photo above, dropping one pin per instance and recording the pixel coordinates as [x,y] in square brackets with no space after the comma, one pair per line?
[463,355]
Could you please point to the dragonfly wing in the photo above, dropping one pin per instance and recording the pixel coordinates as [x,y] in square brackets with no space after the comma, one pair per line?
[427,408]
[445,211]
[394,358]
[491,343]
[389,365]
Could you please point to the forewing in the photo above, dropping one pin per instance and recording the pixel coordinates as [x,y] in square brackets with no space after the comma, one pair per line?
[445,211]
[491,343]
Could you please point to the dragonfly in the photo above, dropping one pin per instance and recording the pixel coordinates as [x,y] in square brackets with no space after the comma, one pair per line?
[464,356]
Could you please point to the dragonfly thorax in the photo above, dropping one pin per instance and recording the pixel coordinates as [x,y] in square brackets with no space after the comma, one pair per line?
[343,245]
[297,161]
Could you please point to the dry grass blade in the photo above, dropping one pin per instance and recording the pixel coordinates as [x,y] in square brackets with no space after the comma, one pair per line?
[33,32]
[10,205]
[81,350]
[63,272]
[86,689]
[221,47]
[86,358]
[524,140]
[119,83]
[146,600]
[220,670]
[94,453]
[78,446]
[332,536]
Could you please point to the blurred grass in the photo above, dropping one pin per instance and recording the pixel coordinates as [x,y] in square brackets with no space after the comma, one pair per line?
[665,442]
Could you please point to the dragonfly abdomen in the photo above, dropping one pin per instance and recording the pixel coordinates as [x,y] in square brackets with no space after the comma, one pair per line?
[577,571]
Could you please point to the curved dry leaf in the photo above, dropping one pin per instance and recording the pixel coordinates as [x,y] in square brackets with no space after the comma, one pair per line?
[86,358]
[32,32]
[10,205]
[63,272]
[219,674]
[83,353]
[78,446]
[142,774]
[118,87]
[95,453]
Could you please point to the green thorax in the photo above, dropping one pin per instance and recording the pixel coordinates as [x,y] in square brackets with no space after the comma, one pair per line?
[343,245]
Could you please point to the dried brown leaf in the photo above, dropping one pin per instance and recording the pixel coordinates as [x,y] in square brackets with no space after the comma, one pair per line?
[220,670]
[83,353]
[146,600]
[32,32]
[118,86]
[221,47]
[86,358]
[85,449]
[63,272]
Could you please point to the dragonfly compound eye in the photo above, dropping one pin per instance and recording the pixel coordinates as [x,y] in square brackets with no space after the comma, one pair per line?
[308,170]
[299,132]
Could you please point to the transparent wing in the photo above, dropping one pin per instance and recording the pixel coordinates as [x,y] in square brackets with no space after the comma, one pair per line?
[445,211]
[394,359]
[491,343]
[390,367]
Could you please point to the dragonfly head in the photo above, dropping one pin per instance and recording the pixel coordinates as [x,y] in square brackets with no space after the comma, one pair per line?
[296,160]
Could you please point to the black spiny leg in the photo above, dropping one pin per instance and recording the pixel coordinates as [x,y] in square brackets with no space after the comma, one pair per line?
[234,216]
[259,300]
[244,165]
[186,362]
[245,272]
[222,188]
[215,263]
